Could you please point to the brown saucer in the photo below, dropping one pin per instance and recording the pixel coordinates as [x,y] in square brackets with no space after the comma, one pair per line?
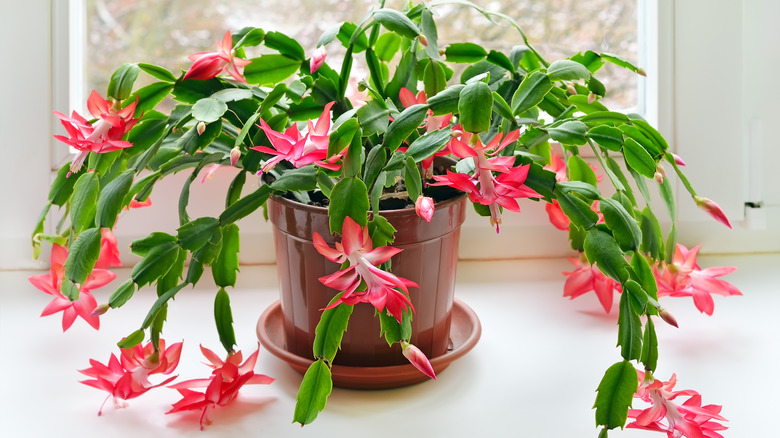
[464,334]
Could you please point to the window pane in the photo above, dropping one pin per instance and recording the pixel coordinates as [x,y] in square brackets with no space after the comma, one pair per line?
[167,31]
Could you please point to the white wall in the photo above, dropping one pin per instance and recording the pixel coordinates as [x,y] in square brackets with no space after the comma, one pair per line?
[715,93]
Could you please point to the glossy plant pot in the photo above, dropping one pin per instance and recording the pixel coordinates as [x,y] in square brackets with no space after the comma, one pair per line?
[429,258]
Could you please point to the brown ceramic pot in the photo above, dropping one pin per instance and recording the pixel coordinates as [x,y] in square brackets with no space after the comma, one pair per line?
[429,258]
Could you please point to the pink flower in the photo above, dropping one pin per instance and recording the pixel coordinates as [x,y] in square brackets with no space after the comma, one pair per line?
[207,65]
[588,278]
[431,123]
[134,203]
[418,359]
[109,250]
[222,387]
[424,207]
[51,284]
[560,221]
[382,288]
[128,377]
[493,191]
[689,419]
[684,278]
[712,209]
[105,135]
[317,59]
[298,149]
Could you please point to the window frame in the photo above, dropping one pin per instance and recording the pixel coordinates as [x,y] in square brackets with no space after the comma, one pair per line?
[670,98]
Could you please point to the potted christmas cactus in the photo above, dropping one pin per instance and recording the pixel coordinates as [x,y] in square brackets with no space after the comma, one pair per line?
[404,149]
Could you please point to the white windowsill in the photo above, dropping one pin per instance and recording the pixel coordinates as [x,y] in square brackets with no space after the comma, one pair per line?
[533,373]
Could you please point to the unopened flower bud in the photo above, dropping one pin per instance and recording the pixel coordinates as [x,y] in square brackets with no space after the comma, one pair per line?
[641,72]
[678,160]
[667,317]
[712,209]
[424,207]
[570,88]
[418,359]
[201,128]
[362,86]
[317,59]
[591,98]
[235,154]
[100,310]
[423,40]
[659,175]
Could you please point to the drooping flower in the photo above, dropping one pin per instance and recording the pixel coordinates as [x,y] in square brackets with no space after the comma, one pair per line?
[221,387]
[588,278]
[318,58]
[684,278]
[105,135]
[301,149]
[424,207]
[128,377]
[689,419]
[51,284]
[418,359]
[207,65]
[712,209]
[381,287]
[109,251]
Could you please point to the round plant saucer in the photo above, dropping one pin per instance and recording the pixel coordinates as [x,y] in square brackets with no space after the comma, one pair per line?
[464,334]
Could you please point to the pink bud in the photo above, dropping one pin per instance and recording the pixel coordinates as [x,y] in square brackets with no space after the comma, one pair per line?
[570,88]
[641,72]
[424,208]
[235,154]
[712,209]
[418,359]
[678,160]
[591,98]
[201,128]
[667,317]
[423,40]
[100,310]
[660,174]
[317,59]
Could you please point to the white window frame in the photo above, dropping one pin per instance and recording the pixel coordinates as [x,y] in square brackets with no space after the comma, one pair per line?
[687,80]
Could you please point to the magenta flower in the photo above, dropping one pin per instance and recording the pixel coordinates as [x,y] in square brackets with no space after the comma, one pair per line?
[493,191]
[431,123]
[381,288]
[207,65]
[109,251]
[128,377]
[222,387]
[301,149]
[588,278]
[684,278]
[317,59]
[105,135]
[51,284]
[689,419]
[424,207]
[418,359]
[711,208]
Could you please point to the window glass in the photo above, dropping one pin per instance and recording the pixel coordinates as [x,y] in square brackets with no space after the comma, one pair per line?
[167,31]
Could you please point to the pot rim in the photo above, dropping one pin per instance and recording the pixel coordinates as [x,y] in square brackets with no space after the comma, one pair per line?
[315,209]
